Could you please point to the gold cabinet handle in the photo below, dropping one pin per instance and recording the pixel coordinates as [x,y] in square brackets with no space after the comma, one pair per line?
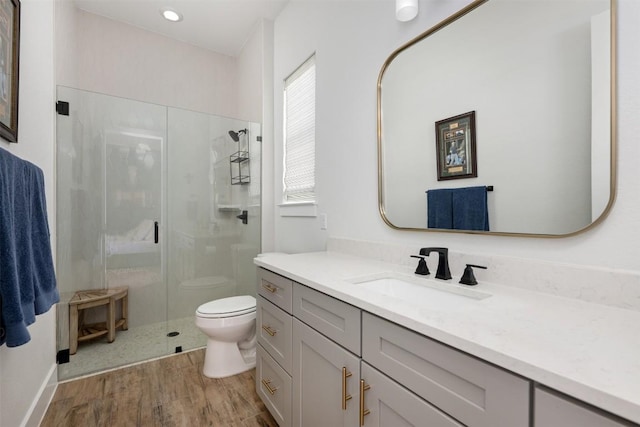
[345,396]
[270,288]
[269,330]
[267,385]
[363,411]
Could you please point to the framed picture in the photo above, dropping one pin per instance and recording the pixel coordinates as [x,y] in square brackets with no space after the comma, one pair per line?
[9,66]
[456,147]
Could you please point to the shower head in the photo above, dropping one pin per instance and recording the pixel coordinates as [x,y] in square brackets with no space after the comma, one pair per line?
[236,135]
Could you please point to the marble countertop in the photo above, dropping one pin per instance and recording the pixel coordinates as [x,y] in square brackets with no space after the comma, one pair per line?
[588,351]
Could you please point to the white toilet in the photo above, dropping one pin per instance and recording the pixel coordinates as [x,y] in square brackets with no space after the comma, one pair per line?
[230,325]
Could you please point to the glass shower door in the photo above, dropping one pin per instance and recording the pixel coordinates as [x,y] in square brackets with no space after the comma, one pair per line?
[213,177]
[110,154]
[161,200]
[132,218]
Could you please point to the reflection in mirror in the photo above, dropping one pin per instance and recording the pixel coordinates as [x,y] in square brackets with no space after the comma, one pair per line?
[538,75]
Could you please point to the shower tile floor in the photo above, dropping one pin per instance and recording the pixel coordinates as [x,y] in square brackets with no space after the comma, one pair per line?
[134,345]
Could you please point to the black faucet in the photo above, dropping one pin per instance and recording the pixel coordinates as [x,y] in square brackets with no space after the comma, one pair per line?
[443,261]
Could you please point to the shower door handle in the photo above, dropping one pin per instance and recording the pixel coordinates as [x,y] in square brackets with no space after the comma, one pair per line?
[156,234]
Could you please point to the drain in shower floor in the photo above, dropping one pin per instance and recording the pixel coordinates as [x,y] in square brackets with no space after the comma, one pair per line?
[173,334]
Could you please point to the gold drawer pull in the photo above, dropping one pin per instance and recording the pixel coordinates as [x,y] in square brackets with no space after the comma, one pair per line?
[363,411]
[267,385]
[345,396]
[269,330]
[270,288]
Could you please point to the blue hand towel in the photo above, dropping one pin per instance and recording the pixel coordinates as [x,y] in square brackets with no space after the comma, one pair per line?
[27,279]
[440,209]
[470,209]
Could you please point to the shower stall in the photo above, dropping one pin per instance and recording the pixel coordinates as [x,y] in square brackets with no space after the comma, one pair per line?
[161,200]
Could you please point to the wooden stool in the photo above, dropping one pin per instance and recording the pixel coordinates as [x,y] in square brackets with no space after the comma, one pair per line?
[83,300]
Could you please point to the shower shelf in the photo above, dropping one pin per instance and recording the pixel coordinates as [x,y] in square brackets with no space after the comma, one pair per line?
[229,208]
[239,157]
[240,179]
[239,172]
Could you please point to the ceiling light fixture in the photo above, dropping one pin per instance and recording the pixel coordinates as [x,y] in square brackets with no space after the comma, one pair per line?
[171,14]
[406,10]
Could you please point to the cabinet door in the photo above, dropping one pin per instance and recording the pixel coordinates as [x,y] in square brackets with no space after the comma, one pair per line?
[552,410]
[391,405]
[318,395]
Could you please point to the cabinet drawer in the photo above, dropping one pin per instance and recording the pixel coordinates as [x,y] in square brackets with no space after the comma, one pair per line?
[470,390]
[392,405]
[273,385]
[275,288]
[335,319]
[553,410]
[274,332]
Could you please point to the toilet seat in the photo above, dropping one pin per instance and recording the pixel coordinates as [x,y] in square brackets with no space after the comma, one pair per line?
[227,307]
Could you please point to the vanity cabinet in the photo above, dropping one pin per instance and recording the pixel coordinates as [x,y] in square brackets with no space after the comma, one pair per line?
[273,351]
[323,362]
[468,389]
[553,409]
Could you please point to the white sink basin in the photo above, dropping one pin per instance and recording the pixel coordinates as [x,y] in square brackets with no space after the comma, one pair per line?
[414,289]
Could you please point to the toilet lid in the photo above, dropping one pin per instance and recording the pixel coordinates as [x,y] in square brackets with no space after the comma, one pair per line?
[227,307]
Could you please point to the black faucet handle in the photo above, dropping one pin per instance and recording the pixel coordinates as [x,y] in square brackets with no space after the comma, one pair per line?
[422,268]
[468,278]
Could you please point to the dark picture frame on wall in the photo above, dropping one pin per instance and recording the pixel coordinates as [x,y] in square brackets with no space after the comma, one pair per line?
[456,147]
[9,68]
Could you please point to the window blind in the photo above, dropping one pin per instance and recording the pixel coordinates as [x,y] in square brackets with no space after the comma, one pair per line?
[300,133]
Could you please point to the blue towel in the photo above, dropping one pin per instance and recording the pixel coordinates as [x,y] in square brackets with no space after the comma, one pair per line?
[470,209]
[440,209]
[27,279]
[458,209]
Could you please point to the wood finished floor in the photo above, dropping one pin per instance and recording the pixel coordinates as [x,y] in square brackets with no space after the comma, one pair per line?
[166,392]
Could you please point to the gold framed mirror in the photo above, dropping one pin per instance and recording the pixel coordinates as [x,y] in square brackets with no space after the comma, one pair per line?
[539,76]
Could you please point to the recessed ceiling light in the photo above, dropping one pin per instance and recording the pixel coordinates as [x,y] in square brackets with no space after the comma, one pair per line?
[171,15]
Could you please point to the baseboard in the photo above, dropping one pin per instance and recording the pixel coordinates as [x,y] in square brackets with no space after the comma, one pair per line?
[40,404]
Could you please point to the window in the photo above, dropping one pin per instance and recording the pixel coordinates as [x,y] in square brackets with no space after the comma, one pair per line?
[300,133]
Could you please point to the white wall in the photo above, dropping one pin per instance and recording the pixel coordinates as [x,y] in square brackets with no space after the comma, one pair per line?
[249,77]
[25,371]
[352,40]
[255,103]
[268,176]
[118,59]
